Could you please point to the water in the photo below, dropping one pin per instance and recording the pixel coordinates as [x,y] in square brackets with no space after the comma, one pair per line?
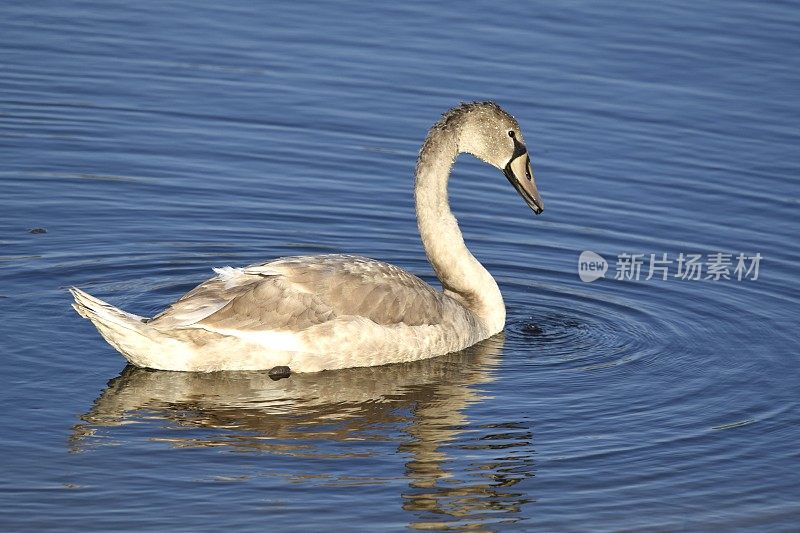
[153,142]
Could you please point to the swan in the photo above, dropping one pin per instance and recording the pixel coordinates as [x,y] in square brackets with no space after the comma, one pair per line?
[325,312]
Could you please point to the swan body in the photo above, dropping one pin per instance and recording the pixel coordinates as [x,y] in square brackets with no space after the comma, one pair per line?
[326,312]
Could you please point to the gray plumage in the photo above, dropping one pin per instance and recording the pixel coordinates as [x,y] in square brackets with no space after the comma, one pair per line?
[307,291]
[337,311]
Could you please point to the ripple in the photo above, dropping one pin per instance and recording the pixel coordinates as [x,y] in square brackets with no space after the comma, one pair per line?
[584,334]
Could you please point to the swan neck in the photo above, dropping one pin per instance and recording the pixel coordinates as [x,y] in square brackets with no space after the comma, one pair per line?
[462,276]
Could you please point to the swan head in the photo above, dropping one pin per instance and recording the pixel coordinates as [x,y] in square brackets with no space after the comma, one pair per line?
[492,135]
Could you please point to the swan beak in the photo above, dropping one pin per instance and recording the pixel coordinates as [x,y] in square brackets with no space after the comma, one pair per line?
[520,174]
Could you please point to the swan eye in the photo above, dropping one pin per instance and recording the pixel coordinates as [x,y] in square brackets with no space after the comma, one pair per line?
[511,134]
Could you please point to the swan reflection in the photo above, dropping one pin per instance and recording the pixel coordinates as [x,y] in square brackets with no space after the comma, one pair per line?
[458,473]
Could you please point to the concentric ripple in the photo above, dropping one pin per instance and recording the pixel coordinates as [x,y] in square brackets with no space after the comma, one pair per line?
[584,332]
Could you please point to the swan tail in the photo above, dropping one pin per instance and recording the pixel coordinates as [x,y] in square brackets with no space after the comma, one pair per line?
[126,332]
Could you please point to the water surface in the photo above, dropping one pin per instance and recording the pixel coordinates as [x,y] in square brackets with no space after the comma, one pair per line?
[153,142]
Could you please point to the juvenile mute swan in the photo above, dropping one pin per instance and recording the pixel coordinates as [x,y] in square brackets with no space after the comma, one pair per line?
[336,311]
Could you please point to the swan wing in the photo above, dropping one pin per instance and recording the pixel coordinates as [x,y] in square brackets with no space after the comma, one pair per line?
[294,293]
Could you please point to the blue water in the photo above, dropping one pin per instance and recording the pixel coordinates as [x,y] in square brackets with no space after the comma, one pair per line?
[152,141]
